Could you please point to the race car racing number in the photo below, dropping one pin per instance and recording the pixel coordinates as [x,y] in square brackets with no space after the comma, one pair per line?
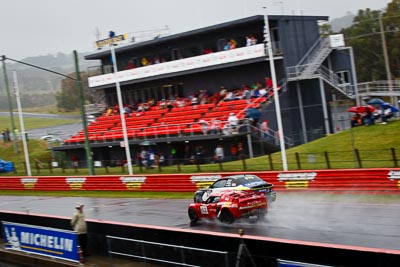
[203,210]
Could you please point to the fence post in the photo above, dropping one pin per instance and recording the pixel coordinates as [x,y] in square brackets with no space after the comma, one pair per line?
[198,165]
[357,153]
[298,160]
[328,163]
[393,150]
[15,167]
[50,167]
[220,165]
[271,164]
[243,158]
[62,165]
[36,165]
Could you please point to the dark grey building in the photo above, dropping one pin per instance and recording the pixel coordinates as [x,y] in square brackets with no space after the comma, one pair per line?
[311,72]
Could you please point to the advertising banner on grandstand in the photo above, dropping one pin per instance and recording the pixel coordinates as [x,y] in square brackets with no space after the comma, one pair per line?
[54,243]
[217,58]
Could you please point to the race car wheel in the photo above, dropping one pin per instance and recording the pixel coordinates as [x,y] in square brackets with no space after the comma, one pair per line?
[226,216]
[193,215]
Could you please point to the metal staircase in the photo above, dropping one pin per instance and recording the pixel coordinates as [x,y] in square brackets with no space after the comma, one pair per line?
[310,67]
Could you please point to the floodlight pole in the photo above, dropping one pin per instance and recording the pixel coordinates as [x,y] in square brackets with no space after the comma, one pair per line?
[21,123]
[268,47]
[3,59]
[121,111]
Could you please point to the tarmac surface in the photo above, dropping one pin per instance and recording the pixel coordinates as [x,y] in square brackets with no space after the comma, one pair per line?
[335,220]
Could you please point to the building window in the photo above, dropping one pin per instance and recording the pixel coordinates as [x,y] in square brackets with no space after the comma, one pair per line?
[344,76]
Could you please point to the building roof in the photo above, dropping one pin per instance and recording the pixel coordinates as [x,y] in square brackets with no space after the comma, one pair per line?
[218,27]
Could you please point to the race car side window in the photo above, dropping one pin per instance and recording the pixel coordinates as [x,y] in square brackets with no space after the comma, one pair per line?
[213,199]
[219,184]
[228,183]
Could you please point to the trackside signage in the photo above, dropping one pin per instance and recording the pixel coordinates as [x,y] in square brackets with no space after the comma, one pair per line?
[133,182]
[297,180]
[54,243]
[29,183]
[203,181]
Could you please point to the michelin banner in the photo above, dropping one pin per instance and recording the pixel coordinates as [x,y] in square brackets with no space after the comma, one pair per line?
[55,243]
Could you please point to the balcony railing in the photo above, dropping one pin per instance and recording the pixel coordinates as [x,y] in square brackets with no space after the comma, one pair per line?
[207,60]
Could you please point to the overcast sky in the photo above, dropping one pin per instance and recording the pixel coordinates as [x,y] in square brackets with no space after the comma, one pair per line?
[41,27]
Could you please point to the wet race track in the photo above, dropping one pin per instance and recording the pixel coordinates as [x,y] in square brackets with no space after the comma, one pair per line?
[317,218]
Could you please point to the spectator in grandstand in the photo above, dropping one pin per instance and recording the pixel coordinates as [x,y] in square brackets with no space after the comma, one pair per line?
[195,100]
[248,40]
[246,93]
[233,121]
[204,126]
[232,44]
[156,60]
[214,127]
[170,105]
[229,96]
[268,82]
[253,40]
[180,102]
[131,64]
[219,154]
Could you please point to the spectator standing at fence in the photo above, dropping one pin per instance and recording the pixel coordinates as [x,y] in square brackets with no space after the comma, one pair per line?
[219,153]
[264,129]
[78,223]
[74,160]
[3,133]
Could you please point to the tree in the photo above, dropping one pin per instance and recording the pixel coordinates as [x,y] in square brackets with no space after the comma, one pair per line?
[365,37]
[68,98]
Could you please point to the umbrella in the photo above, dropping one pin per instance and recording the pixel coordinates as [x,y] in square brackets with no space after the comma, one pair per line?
[386,105]
[361,109]
[375,101]
[147,143]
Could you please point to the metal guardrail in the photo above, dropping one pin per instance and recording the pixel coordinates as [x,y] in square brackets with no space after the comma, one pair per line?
[379,88]
[153,251]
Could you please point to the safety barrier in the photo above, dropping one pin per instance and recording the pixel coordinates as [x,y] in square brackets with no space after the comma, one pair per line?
[382,179]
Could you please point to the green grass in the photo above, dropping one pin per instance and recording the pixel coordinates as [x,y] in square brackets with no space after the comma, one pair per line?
[34,123]
[375,144]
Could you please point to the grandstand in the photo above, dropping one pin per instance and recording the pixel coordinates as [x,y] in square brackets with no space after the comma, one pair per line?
[202,67]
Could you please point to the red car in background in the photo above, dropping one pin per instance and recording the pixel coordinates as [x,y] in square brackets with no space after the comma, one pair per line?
[227,206]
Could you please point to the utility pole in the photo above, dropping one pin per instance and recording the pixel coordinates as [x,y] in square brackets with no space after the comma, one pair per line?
[3,59]
[386,57]
[89,155]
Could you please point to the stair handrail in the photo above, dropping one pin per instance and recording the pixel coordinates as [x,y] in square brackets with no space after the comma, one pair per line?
[319,43]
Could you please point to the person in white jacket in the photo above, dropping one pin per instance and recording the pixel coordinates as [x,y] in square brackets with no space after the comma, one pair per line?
[78,223]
